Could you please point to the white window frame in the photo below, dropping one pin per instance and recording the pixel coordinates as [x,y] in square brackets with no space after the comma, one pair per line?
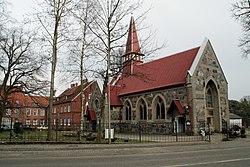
[28,112]
[27,122]
[69,108]
[42,112]
[42,122]
[64,121]
[69,121]
[35,112]
[35,122]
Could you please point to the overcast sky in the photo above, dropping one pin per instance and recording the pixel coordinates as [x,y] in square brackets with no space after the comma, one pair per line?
[184,24]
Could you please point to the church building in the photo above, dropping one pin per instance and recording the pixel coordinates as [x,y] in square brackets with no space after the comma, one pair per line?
[187,89]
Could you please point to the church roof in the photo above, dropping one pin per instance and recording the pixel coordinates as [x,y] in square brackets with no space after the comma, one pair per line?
[164,72]
[132,45]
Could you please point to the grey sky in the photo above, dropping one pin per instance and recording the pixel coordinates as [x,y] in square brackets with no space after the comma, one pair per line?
[184,24]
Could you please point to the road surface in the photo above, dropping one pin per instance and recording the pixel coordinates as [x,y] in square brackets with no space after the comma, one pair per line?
[230,154]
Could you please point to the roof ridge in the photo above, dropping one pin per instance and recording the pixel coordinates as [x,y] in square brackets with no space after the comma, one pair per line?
[174,54]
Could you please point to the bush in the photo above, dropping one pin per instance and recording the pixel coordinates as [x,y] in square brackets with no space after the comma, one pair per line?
[17,128]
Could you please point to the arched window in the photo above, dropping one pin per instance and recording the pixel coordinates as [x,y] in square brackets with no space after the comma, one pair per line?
[143,110]
[209,98]
[160,109]
[128,111]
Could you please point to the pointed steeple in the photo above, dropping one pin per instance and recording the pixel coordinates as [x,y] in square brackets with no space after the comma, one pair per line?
[133,45]
[133,53]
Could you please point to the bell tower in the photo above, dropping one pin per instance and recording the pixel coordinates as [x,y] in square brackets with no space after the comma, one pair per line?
[133,55]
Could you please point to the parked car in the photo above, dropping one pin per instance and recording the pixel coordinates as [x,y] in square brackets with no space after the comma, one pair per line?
[42,128]
[234,131]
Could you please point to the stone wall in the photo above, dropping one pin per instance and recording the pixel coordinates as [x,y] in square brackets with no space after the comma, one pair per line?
[168,94]
[209,70]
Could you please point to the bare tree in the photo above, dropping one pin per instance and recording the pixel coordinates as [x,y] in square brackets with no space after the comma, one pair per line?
[4,17]
[109,30]
[21,66]
[241,13]
[55,22]
[80,48]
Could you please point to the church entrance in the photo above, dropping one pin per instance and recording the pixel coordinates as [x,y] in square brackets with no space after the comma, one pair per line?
[177,112]
[212,107]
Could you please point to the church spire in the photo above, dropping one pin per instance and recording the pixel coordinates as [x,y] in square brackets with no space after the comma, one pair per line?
[133,45]
[133,53]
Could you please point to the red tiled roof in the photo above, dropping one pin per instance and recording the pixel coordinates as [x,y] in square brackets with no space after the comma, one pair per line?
[70,93]
[19,99]
[33,101]
[164,72]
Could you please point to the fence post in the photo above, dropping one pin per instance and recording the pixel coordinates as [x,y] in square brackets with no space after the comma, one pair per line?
[139,131]
[227,131]
[175,127]
[11,129]
[57,130]
[209,133]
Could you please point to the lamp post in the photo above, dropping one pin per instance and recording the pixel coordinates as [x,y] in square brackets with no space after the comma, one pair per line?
[109,113]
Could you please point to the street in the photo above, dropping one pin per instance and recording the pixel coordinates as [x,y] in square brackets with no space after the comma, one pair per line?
[230,154]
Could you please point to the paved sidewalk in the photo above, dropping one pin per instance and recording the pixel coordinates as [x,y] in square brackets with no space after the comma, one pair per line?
[215,139]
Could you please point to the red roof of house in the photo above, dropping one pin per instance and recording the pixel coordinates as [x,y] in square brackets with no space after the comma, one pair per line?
[69,94]
[164,72]
[34,101]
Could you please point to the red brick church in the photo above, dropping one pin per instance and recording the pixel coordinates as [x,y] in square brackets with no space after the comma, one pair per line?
[188,88]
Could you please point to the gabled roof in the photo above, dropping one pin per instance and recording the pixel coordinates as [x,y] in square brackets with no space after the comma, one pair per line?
[234,116]
[71,93]
[175,104]
[164,72]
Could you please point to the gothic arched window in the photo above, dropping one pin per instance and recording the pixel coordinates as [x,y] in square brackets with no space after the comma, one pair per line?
[209,98]
[143,110]
[160,109]
[128,111]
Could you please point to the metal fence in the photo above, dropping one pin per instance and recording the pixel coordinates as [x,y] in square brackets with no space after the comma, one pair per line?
[122,132]
[155,132]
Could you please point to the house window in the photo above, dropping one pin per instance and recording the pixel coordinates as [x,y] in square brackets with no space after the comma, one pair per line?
[143,110]
[65,108]
[65,122]
[128,111]
[209,98]
[61,121]
[160,109]
[35,122]
[68,108]
[28,112]
[42,122]
[69,121]
[42,112]
[61,109]
[55,110]
[8,112]
[54,121]
[35,112]
[27,122]
[16,112]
